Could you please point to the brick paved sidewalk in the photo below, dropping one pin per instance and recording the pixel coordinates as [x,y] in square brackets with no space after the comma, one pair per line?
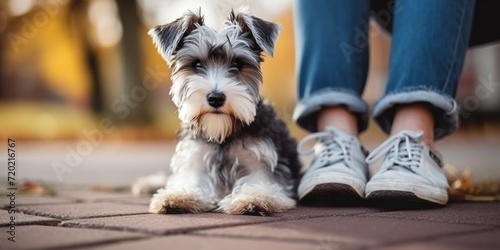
[83,220]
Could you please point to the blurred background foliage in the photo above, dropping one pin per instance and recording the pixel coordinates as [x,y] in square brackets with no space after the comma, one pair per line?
[70,65]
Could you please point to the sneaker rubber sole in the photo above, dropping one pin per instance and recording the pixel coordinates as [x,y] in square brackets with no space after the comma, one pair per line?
[399,192]
[331,193]
[390,195]
[400,200]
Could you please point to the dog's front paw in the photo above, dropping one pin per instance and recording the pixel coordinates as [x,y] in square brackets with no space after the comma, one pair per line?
[176,202]
[257,199]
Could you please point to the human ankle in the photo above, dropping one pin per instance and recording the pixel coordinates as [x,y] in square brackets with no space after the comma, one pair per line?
[415,117]
[338,117]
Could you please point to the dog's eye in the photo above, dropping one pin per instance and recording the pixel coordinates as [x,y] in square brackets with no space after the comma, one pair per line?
[197,65]
[237,65]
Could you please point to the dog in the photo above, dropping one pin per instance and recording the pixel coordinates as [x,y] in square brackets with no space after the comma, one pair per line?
[234,154]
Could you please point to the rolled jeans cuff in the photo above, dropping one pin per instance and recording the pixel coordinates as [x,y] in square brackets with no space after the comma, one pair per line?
[445,110]
[306,111]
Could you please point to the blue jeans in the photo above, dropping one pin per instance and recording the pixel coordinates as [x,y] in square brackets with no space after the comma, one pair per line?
[429,42]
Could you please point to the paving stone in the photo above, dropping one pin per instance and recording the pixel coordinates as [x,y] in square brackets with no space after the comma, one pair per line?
[302,212]
[83,210]
[424,245]
[36,200]
[49,237]
[195,243]
[90,196]
[167,223]
[475,240]
[351,231]
[135,200]
[470,213]
[164,224]
[490,239]
[24,219]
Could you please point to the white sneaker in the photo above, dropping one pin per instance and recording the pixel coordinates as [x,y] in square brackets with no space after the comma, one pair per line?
[411,171]
[338,169]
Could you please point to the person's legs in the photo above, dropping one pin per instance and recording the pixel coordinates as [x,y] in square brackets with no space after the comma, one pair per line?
[332,64]
[429,42]
[428,48]
[332,59]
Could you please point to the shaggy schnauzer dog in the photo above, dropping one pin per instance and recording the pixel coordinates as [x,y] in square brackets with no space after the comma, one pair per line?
[234,154]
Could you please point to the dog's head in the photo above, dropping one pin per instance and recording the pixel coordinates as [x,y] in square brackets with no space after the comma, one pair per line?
[216,75]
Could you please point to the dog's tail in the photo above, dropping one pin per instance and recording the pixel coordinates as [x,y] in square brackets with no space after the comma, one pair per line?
[149,184]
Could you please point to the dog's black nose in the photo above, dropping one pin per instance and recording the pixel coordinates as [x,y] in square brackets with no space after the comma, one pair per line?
[216,99]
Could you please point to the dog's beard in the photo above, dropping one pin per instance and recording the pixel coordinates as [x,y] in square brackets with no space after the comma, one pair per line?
[216,126]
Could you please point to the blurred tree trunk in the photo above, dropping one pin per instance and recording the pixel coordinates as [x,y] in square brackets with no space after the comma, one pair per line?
[3,37]
[131,59]
[2,74]
[78,10]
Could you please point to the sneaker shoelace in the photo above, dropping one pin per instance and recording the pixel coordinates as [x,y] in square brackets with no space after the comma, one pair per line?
[403,149]
[333,148]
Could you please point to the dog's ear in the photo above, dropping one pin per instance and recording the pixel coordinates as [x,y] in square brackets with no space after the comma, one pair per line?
[265,33]
[168,38]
